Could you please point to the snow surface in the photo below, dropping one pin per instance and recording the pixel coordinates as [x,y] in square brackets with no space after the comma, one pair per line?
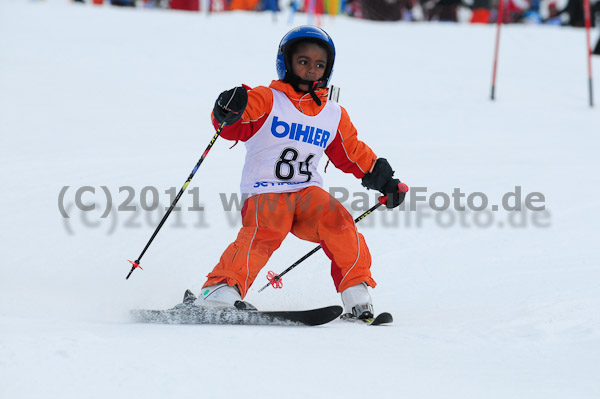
[101,96]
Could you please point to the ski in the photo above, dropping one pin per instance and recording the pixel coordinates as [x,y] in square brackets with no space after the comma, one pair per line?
[188,313]
[380,319]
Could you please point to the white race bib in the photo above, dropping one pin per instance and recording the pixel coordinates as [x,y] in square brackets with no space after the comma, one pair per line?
[284,154]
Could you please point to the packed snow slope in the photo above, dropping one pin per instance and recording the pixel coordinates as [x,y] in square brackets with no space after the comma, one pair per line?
[487,304]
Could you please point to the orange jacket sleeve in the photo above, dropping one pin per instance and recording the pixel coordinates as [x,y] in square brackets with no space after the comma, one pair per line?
[347,153]
[260,104]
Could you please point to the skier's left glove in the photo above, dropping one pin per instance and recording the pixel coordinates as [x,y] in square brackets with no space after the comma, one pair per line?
[230,105]
[395,192]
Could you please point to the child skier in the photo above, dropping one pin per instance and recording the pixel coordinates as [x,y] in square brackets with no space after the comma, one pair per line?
[286,128]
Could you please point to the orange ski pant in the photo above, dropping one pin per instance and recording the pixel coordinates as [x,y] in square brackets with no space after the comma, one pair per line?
[310,214]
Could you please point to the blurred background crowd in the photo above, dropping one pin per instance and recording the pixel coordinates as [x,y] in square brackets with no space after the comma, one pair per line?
[554,12]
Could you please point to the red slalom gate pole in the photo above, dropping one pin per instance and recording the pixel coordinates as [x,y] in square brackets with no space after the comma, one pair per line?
[588,48]
[500,17]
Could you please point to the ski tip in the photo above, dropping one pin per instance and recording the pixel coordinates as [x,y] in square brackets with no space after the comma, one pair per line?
[189,297]
[327,314]
[312,317]
[339,310]
[335,310]
[380,319]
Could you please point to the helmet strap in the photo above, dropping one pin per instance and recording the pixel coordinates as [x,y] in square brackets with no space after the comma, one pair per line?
[296,80]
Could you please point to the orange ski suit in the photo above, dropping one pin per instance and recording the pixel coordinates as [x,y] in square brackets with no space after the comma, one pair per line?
[310,214]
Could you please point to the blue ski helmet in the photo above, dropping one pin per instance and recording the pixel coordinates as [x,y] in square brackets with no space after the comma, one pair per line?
[302,33]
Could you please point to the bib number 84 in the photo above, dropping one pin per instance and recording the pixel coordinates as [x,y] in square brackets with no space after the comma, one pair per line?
[284,168]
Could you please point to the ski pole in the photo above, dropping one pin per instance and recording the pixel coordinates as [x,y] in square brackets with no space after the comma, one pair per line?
[382,200]
[136,264]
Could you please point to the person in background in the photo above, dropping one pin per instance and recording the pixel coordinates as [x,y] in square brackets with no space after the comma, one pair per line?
[532,15]
[481,12]
[446,10]
[554,18]
[574,9]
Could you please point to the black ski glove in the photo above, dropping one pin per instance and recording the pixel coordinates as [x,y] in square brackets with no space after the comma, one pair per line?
[382,180]
[231,105]
[395,193]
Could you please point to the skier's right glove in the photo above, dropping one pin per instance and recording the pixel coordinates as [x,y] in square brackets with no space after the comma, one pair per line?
[381,178]
[230,105]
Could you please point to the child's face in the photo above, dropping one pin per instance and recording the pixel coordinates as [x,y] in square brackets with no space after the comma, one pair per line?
[309,62]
